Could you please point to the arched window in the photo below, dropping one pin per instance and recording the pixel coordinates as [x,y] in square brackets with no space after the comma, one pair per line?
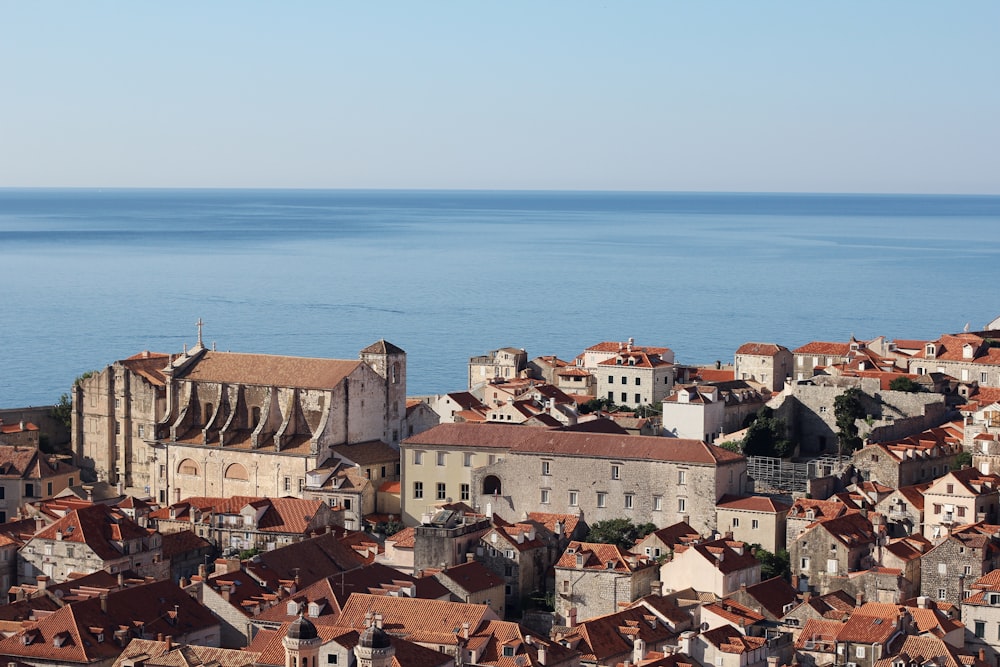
[188,467]
[238,472]
[491,486]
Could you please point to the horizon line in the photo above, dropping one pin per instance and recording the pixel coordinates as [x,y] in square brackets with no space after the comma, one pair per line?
[832,193]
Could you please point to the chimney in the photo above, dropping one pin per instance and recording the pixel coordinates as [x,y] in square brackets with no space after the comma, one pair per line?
[169,639]
[378,620]
[121,580]
[638,650]
[59,535]
[542,657]
[203,571]
[772,661]
[224,590]
[572,618]
[104,602]
[470,557]
[465,630]
[183,582]
[859,599]
[43,582]
[684,644]
[982,655]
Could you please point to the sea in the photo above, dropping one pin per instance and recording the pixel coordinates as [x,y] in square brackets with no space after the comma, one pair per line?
[88,276]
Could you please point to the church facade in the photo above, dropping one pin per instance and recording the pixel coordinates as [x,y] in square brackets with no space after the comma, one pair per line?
[208,423]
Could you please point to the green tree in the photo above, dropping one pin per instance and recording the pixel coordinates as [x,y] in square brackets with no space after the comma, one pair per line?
[773,564]
[597,405]
[848,409]
[903,383]
[963,460]
[62,411]
[622,532]
[766,436]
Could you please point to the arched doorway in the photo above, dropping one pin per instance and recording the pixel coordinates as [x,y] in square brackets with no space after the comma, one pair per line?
[492,486]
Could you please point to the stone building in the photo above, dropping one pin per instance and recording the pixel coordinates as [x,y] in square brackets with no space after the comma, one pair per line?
[948,570]
[523,552]
[808,408]
[967,357]
[706,411]
[91,538]
[912,460]
[247,522]
[474,583]
[767,363]
[628,374]
[512,469]
[904,510]
[595,579]
[981,614]
[833,547]
[505,363]
[20,434]
[28,475]
[219,423]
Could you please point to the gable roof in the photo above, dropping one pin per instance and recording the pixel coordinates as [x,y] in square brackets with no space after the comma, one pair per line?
[723,554]
[472,577]
[427,621]
[598,556]
[604,637]
[773,595]
[728,639]
[97,526]
[310,560]
[518,439]
[761,349]
[269,370]
[762,504]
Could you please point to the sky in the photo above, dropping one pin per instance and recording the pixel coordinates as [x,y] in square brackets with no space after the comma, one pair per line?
[889,96]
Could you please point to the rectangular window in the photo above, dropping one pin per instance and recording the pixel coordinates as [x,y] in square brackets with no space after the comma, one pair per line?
[611,379]
[48,489]
[118,428]
[418,489]
[637,382]
[638,398]
[331,659]
[624,397]
[624,380]
[546,468]
[736,522]
[141,430]
[657,503]
[464,490]
[574,498]
[302,484]
[545,496]
[754,524]
[442,492]
[859,651]
[602,499]
[629,501]
[682,477]
[347,504]
[467,460]
[616,472]
[418,457]
[682,505]
[288,484]
[163,471]
[984,378]
[941,594]
[804,564]
[942,568]
[980,630]
[441,458]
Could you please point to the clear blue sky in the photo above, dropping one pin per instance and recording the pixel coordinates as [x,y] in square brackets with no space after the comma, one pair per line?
[709,96]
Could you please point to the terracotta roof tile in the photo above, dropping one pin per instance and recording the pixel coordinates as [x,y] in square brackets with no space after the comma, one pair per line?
[269,370]
[760,349]
[752,504]
[597,556]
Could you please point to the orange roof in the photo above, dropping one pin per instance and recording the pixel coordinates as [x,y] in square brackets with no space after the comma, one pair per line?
[270,370]
[821,347]
[760,349]
[752,504]
[598,556]
[390,487]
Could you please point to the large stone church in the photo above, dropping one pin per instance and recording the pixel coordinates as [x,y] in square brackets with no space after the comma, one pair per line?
[208,423]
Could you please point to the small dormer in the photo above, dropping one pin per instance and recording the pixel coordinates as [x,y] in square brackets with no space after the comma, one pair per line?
[930,350]
[610,565]
[968,351]
[579,560]
[315,608]
[293,608]
[810,514]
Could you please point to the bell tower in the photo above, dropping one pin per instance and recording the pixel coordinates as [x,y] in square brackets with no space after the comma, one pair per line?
[301,644]
[389,362]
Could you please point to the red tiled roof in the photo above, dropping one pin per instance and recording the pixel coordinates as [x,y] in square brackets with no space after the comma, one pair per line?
[270,370]
[96,526]
[597,556]
[864,629]
[404,539]
[573,443]
[824,348]
[760,349]
[752,504]
[425,621]
[734,612]
[728,639]
[473,577]
[773,595]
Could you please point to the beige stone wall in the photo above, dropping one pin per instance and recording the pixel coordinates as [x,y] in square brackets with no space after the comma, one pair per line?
[654,383]
[769,371]
[594,592]
[660,492]
[768,531]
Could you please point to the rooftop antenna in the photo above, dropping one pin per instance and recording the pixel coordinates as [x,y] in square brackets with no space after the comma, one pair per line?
[200,325]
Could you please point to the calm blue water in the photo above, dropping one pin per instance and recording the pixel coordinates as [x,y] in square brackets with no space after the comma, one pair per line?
[91,276]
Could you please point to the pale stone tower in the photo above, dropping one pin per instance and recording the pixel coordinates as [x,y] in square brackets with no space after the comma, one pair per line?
[389,361]
[301,644]
[374,647]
